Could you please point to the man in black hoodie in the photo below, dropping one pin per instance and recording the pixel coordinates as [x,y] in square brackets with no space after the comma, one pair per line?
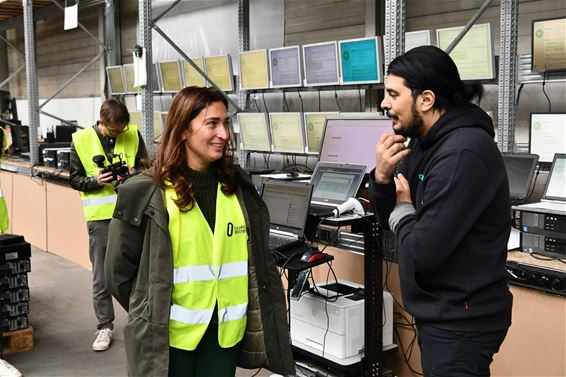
[446,197]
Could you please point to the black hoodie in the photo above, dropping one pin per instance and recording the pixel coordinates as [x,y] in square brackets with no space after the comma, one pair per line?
[452,252]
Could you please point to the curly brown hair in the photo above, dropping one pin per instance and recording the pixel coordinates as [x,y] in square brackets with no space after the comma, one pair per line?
[171,158]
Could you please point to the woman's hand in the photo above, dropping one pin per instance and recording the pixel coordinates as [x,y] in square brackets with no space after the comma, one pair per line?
[402,189]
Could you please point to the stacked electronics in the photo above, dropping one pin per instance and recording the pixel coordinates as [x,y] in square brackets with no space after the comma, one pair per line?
[15,254]
[543,224]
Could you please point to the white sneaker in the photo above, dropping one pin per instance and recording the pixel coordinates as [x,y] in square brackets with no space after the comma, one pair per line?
[8,370]
[103,340]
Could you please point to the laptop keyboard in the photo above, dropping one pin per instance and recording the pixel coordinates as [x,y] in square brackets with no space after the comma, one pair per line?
[281,243]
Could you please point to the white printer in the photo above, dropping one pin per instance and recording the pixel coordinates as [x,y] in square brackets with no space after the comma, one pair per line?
[342,335]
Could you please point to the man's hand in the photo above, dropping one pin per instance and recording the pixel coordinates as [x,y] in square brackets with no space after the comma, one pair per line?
[402,189]
[104,179]
[390,150]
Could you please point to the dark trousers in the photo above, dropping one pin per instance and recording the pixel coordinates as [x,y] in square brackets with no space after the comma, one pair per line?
[102,300]
[207,360]
[449,353]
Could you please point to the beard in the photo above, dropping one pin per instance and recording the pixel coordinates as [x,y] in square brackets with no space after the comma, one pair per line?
[415,127]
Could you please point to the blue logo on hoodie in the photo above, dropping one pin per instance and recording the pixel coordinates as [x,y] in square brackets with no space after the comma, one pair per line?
[421,176]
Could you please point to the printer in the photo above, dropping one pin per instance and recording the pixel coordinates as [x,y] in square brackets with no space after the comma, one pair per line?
[342,335]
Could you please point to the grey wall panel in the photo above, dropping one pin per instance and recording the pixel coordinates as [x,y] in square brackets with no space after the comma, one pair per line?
[59,55]
[323,20]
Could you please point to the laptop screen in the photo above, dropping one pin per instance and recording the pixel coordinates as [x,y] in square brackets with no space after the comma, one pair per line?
[520,171]
[334,183]
[352,141]
[288,204]
[556,185]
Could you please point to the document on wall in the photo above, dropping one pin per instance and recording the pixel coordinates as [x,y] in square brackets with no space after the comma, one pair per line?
[71,17]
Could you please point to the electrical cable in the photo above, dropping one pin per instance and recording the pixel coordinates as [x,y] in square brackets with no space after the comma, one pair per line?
[300,99]
[544,91]
[264,103]
[360,95]
[336,98]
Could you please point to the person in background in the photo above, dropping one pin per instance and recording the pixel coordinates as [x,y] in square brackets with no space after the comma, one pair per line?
[109,138]
[446,198]
[188,255]
[6,369]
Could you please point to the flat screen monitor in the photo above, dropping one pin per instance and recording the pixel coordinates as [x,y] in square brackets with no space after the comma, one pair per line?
[548,51]
[361,115]
[116,80]
[320,64]
[547,135]
[556,186]
[285,67]
[286,132]
[219,70]
[417,38]
[473,55]
[136,120]
[170,76]
[163,116]
[254,70]
[314,128]
[129,77]
[191,76]
[352,141]
[361,61]
[520,169]
[253,132]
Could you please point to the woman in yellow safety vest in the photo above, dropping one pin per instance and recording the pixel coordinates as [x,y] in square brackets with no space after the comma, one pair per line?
[188,258]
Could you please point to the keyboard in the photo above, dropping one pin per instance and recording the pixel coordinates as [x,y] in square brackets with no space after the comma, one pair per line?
[282,243]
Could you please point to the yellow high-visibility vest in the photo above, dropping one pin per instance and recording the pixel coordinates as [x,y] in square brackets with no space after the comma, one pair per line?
[4,221]
[209,270]
[99,205]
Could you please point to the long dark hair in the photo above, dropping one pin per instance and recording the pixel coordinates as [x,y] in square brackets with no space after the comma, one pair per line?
[430,68]
[171,157]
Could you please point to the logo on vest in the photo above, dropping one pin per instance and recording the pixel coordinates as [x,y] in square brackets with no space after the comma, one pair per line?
[231,229]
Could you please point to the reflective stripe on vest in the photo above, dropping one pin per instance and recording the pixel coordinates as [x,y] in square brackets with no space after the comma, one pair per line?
[99,205]
[209,269]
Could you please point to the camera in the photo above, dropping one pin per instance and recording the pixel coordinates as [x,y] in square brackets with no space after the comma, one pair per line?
[117,169]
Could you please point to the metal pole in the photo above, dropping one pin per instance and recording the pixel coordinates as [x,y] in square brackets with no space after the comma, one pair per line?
[507,111]
[158,30]
[110,35]
[145,41]
[14,74]
[31,74]
[394,37]
[468,26]
[62,87]
[243,45]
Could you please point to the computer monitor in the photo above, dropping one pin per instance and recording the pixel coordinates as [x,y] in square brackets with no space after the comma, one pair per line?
[254,70]
[163,116]
[417,38]
[254,132]
[116,80]
[155,81]
[286,132]
[547,135]
[64,132]
[129,78]
[320,64]
[473,55]
[5,100]
[285,67]
[314,128]
[352,141]
[170,76]
[20,138]
[548,48]
[520,169]
[361,60]
[136,119]
[191,75]
[219,70]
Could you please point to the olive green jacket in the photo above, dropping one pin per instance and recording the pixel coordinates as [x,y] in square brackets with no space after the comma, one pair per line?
[139,274]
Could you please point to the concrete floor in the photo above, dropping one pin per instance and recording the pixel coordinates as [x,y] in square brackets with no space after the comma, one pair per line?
[62,318]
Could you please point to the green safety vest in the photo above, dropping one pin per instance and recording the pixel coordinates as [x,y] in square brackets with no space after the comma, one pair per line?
[208,270]
[4,222]
[99,205]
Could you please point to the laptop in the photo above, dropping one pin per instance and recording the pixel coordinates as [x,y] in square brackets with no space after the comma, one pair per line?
[334,183]
[554,198]
[520,169]
[288,203]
